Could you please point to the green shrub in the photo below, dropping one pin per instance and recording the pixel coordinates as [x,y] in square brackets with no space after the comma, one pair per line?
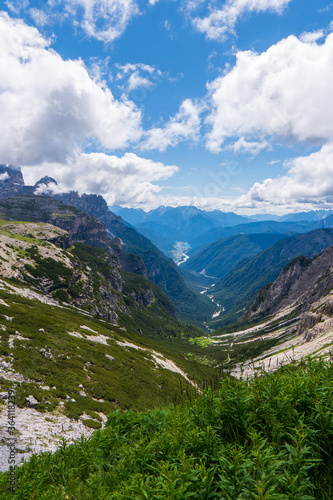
[61,295]
[92,423]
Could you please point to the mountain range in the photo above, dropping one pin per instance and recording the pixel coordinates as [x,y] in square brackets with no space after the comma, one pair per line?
[190,306]
[199,228]
[92,317]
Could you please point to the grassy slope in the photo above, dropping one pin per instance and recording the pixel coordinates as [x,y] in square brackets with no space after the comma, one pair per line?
[271,438]
[131,380]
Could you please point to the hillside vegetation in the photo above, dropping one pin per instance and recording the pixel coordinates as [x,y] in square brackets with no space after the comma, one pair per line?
[267,439]
[220,257]
[238,288]
[71,317]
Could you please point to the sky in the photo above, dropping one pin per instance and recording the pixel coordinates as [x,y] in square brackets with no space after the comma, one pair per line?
[219,104]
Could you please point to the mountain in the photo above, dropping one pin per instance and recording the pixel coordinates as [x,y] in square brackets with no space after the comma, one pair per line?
[162,271]
[219,258]
[267,226]
[47,259]
[301,283]
[237,289]
[81,227]
[263,217]
[290,319]
[130,215]
[167,225]
[190,305]
[313,215]
[11,181]
[227,219]
[81,337]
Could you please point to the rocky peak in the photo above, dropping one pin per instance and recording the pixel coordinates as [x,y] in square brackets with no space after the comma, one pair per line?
[42,186]
[11,180]
[91,204]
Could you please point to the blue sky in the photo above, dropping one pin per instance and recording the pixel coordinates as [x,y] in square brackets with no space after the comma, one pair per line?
[218,104]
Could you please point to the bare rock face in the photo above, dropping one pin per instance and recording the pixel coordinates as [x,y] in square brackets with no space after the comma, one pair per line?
[301,283]
[31,402]
[91,204]
[96,206]
[80,226]
[11,181]
[275,295]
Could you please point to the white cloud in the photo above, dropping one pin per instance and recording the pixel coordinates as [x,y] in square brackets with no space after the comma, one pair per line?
[128,179]
[4,176]
[253,148]
[185,125]
[49,106]
[284,92]
[221,21]
[40,17]
[105,20]
[312,36]
[137,75]
[307,184]
[16,6]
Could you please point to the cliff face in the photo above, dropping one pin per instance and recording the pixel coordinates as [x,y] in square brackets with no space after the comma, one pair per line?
[45,258]
[11,181]
[80,226]
[92,204]
[301,283]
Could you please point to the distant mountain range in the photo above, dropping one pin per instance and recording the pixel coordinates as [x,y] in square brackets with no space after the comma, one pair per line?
[164,226]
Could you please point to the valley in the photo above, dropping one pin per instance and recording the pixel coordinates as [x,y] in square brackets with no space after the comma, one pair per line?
[180,252]
[166,250]
[98,325]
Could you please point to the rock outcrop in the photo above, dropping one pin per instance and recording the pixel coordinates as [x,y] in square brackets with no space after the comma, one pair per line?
[80,226]
[301,283]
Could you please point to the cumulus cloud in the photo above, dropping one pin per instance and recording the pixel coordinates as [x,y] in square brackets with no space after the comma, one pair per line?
[307,185]
[312,36]
[285,92]
[49,106]
[185,125]
[127,179]
[221,21]
[308,182]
